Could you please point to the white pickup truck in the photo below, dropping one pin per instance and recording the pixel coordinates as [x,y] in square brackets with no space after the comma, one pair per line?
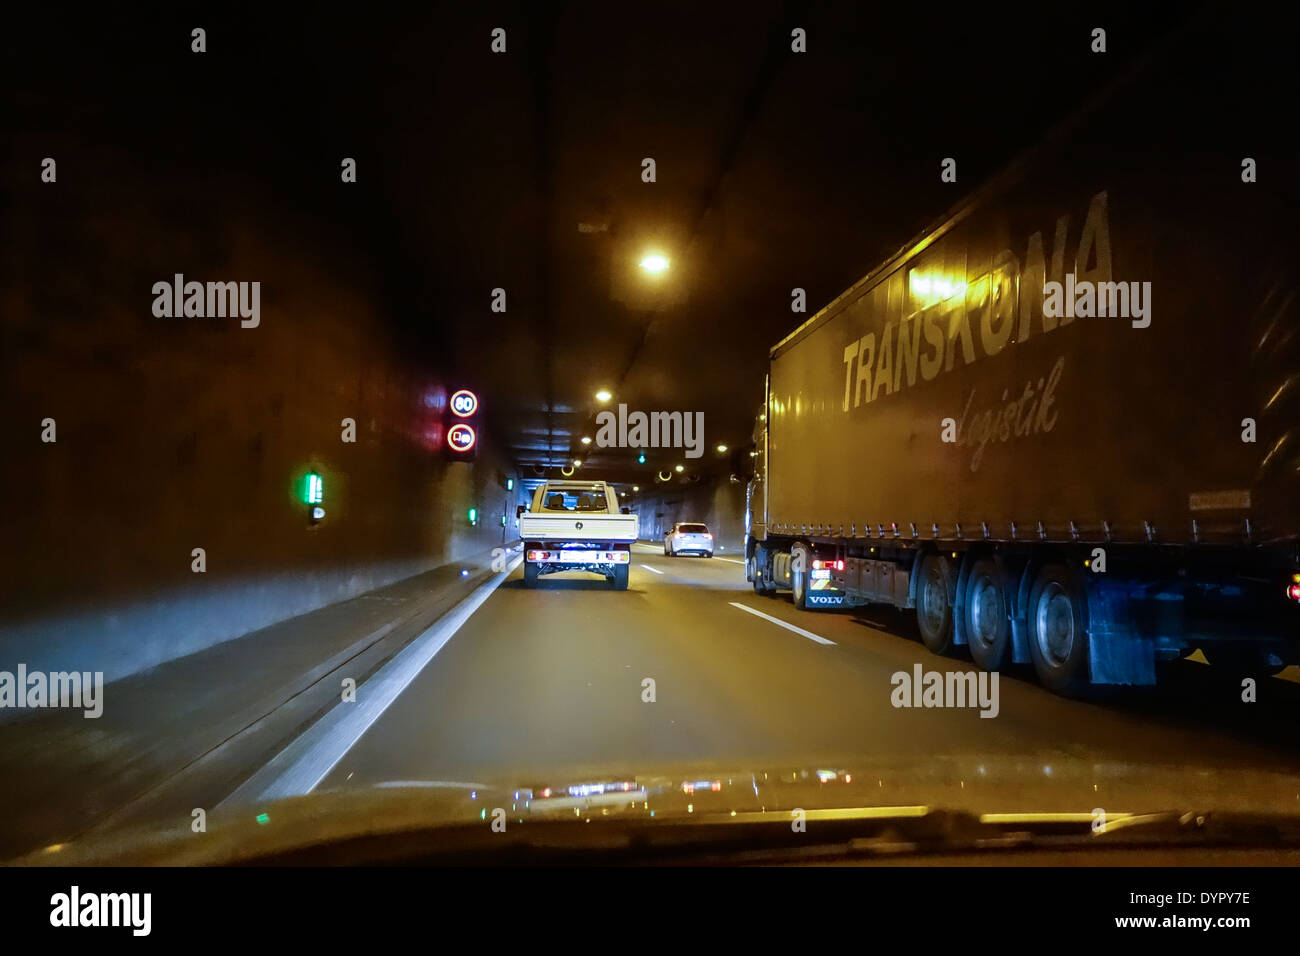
[576,526]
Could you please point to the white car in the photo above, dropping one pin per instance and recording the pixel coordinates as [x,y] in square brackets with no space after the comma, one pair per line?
[687,537]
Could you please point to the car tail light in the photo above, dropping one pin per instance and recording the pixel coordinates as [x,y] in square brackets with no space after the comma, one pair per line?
[1293,592]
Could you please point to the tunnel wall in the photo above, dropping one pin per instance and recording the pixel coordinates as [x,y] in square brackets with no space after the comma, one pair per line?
[172,434]
[717,502]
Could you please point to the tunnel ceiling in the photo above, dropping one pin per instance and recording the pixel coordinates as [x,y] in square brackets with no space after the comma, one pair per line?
[522,171]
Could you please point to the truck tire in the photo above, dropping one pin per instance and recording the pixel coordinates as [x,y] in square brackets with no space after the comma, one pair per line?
[985,616]
[1058,630]
[934,604]
[619,581]
[800,560]
[530,575]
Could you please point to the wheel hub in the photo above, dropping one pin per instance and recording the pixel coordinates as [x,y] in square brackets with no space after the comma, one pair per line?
[1054,630]
[933,598]
[985,612]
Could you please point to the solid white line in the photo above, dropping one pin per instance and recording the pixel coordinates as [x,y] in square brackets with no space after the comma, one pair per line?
[646,567]
[301,766]
[789,627]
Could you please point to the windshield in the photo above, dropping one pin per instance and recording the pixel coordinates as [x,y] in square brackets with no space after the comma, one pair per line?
[350,452]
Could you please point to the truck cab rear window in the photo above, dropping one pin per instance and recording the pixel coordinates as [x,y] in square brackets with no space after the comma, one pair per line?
[589,502]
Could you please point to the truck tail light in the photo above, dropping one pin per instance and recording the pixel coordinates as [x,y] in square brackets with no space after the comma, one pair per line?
[1293,592]
[828,565]
[539,555]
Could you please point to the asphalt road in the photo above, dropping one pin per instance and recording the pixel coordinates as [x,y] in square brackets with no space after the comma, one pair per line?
[546,683]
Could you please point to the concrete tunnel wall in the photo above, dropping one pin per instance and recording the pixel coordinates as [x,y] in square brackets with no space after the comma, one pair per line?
[182,433]
[717,502]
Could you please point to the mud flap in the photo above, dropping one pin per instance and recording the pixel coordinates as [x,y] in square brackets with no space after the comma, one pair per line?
[1117,653]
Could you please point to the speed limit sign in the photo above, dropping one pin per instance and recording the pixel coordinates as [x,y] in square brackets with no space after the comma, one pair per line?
[464,403]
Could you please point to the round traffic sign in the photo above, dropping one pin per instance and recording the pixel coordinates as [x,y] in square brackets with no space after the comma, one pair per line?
[464,403]
[461,437]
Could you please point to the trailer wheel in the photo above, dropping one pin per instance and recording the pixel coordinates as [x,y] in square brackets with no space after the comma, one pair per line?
[799,562]
[1058,630]
[987,623]
[934,604]
[530,575]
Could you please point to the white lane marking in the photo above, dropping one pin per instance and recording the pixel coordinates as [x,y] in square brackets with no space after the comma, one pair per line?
[730,560]
[789,627]
[301,766]
[646,567]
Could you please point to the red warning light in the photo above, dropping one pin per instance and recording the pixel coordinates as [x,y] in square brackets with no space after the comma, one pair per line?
[461,437]
[464,403]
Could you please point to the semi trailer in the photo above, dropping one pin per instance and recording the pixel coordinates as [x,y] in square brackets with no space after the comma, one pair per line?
[1062,424]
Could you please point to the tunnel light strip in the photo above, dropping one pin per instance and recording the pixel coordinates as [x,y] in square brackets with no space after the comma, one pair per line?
[789,627]
[300,767]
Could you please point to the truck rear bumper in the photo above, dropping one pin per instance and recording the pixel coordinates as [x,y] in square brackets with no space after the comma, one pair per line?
[554,555]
